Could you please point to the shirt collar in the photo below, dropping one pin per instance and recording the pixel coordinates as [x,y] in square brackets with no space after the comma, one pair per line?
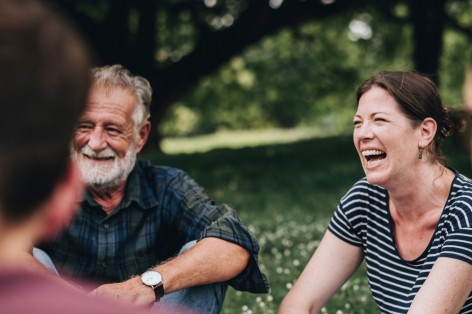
[138,189]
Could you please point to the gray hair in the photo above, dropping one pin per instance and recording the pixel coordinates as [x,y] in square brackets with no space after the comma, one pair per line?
[117,76]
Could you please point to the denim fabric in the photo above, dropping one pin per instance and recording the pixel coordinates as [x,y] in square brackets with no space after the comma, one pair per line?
[207,299]
[45,260]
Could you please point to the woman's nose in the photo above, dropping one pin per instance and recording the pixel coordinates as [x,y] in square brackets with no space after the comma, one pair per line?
[363,131]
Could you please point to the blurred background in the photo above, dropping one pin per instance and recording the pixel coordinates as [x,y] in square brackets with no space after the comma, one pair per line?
[255,98]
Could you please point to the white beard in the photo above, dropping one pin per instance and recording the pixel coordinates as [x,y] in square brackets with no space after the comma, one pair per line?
[103,176]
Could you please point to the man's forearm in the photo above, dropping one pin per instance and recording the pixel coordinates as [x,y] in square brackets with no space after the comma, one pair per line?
[210,260]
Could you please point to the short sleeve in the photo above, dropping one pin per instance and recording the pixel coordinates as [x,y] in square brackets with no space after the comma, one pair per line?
[457,226]
[341,227]
[458,245]
[355,210]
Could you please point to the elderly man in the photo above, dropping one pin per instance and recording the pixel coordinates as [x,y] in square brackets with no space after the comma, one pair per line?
[136,217]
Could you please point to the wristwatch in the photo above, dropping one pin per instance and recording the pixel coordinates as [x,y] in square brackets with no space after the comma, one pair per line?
[153,279]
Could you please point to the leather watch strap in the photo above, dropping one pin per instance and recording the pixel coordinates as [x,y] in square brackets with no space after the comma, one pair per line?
[158,291]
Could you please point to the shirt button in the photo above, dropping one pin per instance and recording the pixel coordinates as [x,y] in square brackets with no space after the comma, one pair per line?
[106,226]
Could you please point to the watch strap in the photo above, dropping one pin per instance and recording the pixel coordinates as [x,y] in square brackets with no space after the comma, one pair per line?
[158,291]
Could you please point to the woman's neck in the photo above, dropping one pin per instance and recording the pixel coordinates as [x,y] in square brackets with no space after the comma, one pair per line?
[427,192]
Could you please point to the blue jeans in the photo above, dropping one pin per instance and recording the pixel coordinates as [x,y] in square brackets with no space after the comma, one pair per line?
[196,300]
[207,299]
[44,259]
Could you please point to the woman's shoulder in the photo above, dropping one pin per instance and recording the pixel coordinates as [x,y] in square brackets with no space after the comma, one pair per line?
[462,182]
[460,199]
[461,188]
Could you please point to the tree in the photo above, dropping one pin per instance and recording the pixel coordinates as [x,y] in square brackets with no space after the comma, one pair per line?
[427,18]
[174,43]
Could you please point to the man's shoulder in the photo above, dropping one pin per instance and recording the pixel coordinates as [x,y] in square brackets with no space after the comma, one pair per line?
[157,171]
[162,176]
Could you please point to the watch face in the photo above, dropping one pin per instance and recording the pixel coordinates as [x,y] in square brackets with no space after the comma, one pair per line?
[151,278]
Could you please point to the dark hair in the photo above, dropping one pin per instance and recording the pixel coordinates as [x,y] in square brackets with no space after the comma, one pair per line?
[44,83]
[418,98]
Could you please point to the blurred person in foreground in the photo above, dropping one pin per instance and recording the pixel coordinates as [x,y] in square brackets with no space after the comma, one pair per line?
[44,82]
[147,233]
[410,217]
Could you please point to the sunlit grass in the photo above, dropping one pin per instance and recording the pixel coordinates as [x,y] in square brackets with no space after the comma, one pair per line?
[286,194]
[238,139]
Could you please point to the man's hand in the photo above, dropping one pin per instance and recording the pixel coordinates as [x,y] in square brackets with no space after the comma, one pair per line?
[132,291]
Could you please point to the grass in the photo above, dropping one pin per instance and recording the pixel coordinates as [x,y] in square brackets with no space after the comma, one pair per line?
[238,139]
[286,194]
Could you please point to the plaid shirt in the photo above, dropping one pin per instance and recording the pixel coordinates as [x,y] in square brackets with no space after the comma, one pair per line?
[163,208]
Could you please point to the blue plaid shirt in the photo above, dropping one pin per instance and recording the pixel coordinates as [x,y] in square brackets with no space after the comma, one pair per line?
[163,208]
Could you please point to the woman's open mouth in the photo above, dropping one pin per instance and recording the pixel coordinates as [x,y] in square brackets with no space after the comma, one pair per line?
[374,156]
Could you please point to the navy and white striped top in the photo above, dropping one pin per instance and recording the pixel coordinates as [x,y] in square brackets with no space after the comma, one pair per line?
[363,219]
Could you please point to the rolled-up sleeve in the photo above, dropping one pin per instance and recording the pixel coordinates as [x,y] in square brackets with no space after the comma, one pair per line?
[199,217]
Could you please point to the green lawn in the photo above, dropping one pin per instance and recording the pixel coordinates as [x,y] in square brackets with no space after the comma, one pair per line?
[286,194]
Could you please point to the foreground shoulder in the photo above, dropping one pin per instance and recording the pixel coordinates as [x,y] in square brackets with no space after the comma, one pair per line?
[25,292]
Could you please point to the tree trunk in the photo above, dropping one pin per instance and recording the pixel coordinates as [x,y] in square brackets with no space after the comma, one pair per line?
[465,139]
[427,18]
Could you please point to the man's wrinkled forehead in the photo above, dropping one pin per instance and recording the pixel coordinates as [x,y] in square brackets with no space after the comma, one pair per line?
[119,96]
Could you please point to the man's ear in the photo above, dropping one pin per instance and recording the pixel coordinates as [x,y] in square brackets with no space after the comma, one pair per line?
[427,130]
[63,202]
[143,135]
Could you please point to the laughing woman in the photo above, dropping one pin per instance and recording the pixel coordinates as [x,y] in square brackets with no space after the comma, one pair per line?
[410,217]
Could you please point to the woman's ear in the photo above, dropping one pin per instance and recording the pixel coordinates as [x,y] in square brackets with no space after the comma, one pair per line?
[427,130]
[63,202]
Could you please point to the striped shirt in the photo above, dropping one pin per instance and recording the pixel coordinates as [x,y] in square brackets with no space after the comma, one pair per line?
[363,219]
[163,209]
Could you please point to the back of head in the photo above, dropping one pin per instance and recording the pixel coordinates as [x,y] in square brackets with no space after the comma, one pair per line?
[43,86]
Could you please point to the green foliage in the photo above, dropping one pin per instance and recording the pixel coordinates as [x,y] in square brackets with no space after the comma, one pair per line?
[287,194]
[176,36]
[301,75]
[304,75]
[307,75]
[96,10]
[453,63]
[461,11]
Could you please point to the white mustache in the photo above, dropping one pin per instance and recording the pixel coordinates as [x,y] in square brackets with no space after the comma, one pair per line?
[105,153]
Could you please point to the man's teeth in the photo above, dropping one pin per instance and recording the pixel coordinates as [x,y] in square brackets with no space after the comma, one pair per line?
[99,157]
[372,152]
